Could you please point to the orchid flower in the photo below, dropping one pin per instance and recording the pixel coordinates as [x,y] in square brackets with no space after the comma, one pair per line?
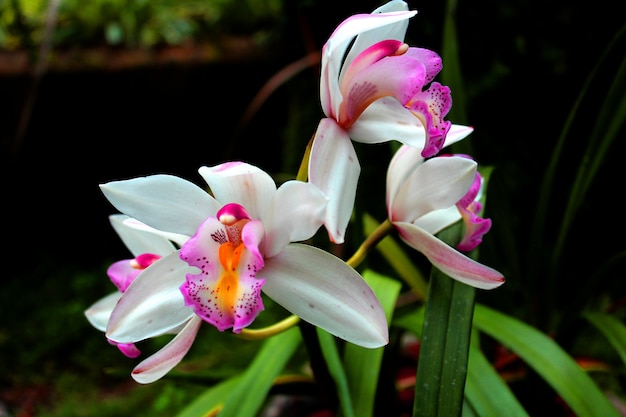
[378,90]
[243,240]
[423,197]
[148,246]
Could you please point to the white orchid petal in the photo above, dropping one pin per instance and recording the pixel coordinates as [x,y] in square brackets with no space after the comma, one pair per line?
[165,202]
[324,291]
[100,311]
[395,31]
[437,220]
[457,133]
[295,214]
[140,240]
[436,184]
[450,261]
[387,119]
[241,183]
[404,162]
[159,364]
[177,238]
[334,168]
[334,51]
[153,304]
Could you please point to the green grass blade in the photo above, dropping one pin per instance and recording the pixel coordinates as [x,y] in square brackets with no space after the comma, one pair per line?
[612,328]
[212,400]
[243,396]
[549,360]
[486,392]
[363,365]
[337,372]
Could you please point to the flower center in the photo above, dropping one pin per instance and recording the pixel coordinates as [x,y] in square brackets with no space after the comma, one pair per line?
[226,293]
[227,287]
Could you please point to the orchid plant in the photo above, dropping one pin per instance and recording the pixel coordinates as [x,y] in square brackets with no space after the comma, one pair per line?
[214,255]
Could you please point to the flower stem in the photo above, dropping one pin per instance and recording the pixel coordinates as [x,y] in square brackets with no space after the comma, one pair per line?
[371,241]
[274,329]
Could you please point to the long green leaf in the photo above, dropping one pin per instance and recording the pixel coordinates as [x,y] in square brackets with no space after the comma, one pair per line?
[612,328]
[243,396]
[335,367]
[442,363]
[549,360]
[486,392]
[212,400]
[363,365]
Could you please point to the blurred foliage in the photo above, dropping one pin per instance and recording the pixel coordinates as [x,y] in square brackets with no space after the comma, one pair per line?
[136,23]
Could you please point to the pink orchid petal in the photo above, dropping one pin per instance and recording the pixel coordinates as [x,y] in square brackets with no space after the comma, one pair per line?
[165,202]
[159,364]
[152,305]
[222,296]
[122,273]
[475,228]
[241,183]
[334,169]
[128,349]
[431,106]
[400,77]
[430,59]
[324,291]
[448,260]
[371,55]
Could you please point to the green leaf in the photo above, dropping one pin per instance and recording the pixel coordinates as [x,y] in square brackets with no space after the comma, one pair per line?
[212,399]
[363,365]
[442,365]
[612,328]
[486,392]
[444,351]
[335,367]
[243,396]
[549,360]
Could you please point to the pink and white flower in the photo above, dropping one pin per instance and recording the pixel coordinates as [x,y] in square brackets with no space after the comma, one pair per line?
[374,88]
[242,242]
[426,196]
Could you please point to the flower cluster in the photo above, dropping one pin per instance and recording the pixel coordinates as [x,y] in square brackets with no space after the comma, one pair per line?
[211,256]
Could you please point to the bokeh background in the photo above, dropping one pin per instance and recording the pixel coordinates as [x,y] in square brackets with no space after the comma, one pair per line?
[135,88]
